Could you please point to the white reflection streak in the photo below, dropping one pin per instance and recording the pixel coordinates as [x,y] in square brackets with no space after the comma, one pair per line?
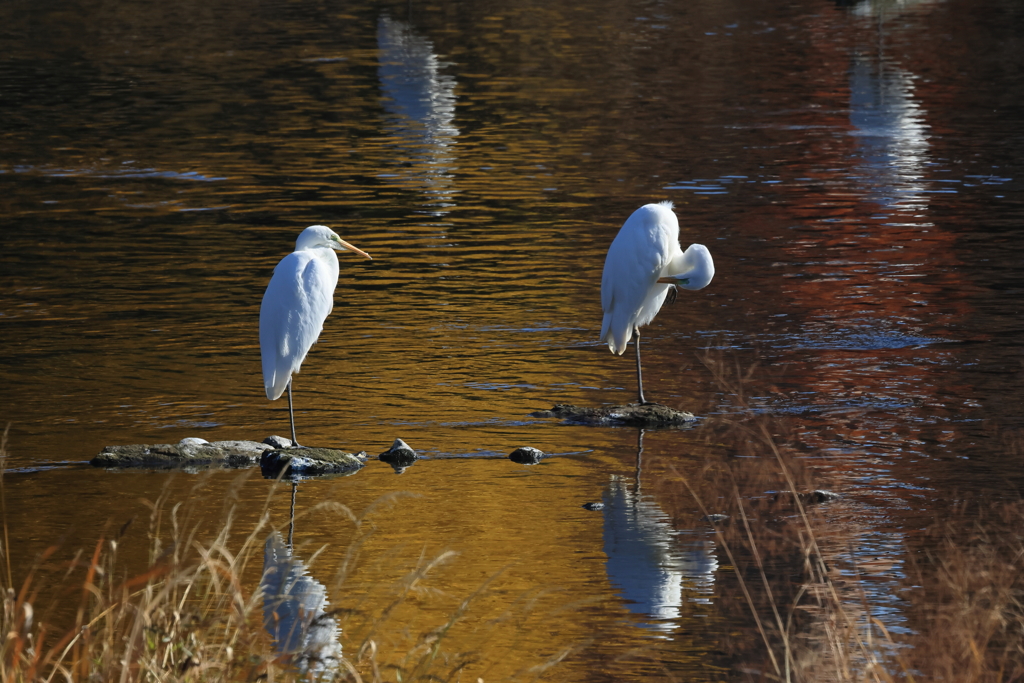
[420,101]
[879,8]
[647,559]
[891,133]
[293,611]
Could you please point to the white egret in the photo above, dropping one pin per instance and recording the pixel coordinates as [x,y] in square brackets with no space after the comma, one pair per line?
[297,301]
[643,264]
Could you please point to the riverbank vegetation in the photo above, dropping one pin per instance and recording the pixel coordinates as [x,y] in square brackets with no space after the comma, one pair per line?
[825,595]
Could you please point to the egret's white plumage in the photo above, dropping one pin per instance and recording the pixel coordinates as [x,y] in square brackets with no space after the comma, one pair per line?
[644,262]
[298,299]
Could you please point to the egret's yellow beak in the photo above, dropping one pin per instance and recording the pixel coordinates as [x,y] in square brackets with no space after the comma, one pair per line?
[674,280]
[348,246]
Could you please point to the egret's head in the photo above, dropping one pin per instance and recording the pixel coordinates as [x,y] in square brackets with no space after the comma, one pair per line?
[700,269]
[321,236]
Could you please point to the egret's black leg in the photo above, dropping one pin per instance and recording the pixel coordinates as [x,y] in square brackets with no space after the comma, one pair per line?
[291,415]
[639,372]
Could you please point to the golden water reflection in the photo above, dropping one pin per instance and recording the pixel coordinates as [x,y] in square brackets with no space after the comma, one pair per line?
[844,167]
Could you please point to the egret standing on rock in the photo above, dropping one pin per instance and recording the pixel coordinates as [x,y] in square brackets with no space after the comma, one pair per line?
[643,264]
[297,301]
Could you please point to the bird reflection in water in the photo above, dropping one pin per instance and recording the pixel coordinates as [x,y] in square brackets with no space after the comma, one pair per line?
[655,567]
[893,137]
[420,102]
[294,609]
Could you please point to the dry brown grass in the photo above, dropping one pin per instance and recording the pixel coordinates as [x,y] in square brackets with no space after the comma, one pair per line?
[962,590]
[967,580]
[190,616]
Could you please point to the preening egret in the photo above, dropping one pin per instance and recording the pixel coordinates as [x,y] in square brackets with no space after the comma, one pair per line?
[643,264]
[297,301]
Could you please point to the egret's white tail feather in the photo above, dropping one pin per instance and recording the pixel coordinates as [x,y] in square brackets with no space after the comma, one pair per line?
[276,368]
[617,336]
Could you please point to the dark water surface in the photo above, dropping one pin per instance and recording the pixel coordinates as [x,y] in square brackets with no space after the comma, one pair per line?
[855,169]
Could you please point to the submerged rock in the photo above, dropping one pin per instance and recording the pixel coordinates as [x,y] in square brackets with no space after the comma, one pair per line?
[399,455]
[593,506]
[308,462]
[187,453]
[814,497]
[526,455]
[819,496]
[632,415]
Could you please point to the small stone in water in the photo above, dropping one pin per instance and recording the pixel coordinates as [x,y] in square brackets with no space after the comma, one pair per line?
[278,441]
[810,498]
[399,454]
[526,455]
[822,496]
[593,506]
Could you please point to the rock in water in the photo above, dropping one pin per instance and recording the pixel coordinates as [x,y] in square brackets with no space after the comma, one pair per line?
[822,496]
[814,497]
[190,452]
[307,462]
[526,455]
[399,455]
[633,415]
[276,441]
